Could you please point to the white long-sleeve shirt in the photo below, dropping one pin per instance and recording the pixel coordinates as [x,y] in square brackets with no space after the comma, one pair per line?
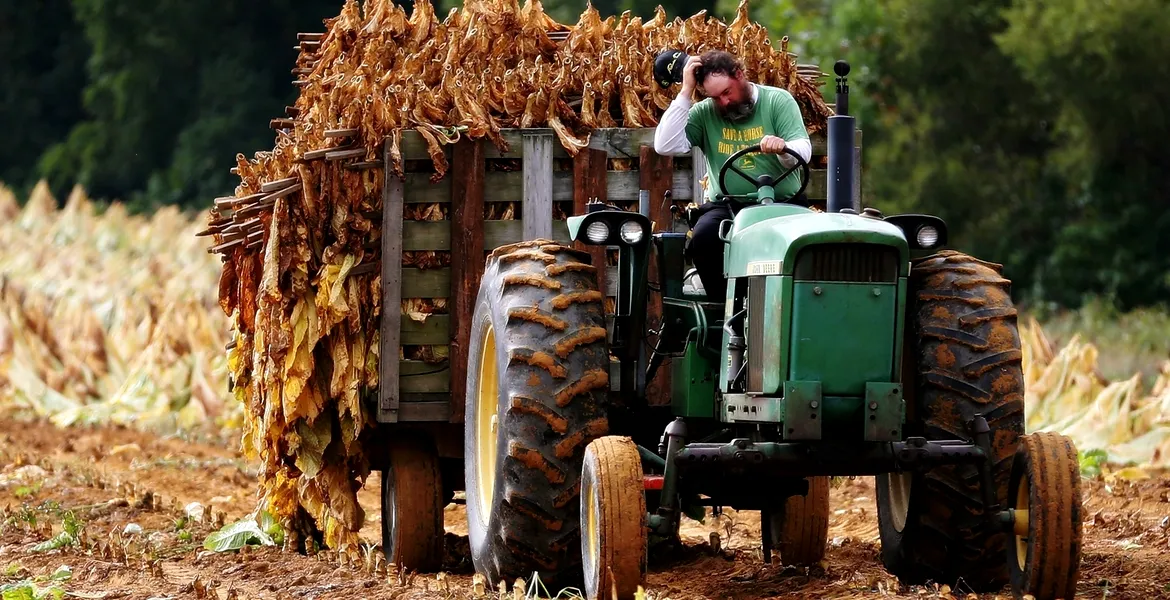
[670,137]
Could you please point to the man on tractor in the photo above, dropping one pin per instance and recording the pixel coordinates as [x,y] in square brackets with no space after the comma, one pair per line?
[736,114]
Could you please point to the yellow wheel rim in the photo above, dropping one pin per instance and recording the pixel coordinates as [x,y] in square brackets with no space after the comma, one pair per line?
[1021,520]
[591,518]
[487,423]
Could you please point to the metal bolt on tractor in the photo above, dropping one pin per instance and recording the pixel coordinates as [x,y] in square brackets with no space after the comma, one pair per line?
[849,343]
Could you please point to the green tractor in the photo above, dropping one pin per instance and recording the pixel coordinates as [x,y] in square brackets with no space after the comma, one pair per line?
[848,345]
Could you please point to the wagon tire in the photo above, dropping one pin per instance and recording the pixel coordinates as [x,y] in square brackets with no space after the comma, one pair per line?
[412,504]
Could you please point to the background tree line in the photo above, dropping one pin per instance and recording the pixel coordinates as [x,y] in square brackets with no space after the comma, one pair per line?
[1037,128]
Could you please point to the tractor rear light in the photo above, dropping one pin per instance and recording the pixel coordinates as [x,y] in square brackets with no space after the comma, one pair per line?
[597,232]
[652,482]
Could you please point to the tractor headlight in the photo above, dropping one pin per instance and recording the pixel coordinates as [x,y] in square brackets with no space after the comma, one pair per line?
[923,232]
[597,232]
[927,236]
[632,232]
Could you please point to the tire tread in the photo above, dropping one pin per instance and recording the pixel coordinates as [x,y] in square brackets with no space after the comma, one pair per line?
[547,311]
[968,361]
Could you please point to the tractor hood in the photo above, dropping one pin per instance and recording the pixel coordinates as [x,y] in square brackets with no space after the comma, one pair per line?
[766,238]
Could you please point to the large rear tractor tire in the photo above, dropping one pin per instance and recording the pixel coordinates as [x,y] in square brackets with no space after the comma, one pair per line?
[1045,494]
[412,504]
[963,357]
[800,529]
[614,537]
[538,377]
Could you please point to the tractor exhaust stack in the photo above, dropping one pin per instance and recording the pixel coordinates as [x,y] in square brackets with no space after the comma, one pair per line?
[840,139]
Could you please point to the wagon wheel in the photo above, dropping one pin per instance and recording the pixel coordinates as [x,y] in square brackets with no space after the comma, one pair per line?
[613,519]
[1045,497]
[412,504]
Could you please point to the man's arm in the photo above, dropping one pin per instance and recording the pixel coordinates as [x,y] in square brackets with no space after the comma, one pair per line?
[789,125]
[801,147]
[675,134]
[670,137]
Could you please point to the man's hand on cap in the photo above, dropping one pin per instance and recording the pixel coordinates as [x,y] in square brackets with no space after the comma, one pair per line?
[688,85]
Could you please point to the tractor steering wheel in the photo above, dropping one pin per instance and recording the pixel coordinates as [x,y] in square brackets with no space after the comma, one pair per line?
[762,180]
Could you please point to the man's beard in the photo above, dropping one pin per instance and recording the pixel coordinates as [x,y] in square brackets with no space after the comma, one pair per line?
[740,112]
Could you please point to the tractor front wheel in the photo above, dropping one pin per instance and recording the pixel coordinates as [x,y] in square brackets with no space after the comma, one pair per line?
[963,357]
[613,519]
[1045,498]
[800,529]
[538,377]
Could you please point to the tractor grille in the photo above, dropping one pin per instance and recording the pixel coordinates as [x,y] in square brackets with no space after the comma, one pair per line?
[755,334]
[864,263]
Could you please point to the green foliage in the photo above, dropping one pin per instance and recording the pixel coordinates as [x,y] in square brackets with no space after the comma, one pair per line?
[70,534]
[257,528]
[175,91]
[1091,461]
[26,491]
[30,589]
[43,73]
[1107,72]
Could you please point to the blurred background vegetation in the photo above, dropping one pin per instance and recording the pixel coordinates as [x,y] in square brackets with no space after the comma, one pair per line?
[1037,129]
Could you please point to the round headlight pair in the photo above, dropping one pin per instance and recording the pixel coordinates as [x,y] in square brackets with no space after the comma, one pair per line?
[598,232]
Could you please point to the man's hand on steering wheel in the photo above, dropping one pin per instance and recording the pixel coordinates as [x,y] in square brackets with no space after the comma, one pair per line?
[771,144]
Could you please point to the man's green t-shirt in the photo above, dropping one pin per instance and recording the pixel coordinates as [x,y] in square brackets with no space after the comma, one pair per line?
[776,114]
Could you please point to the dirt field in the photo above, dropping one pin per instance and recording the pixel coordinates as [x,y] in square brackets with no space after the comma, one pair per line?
[130,489]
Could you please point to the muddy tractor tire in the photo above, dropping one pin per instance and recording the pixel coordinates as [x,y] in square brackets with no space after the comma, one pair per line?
[412,504]
[614,536]
[800,529]
[962,357]
[1045,495]
[538,378]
